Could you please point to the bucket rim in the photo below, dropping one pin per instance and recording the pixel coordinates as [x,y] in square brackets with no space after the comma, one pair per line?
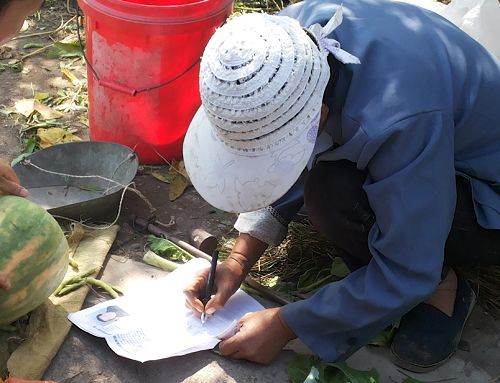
[159,14]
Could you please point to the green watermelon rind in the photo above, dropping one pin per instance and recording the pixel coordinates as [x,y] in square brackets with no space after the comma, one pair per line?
[26,230]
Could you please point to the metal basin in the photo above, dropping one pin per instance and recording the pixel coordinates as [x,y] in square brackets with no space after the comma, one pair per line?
[71,195]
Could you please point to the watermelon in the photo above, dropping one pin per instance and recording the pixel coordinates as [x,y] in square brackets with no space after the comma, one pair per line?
[33,253]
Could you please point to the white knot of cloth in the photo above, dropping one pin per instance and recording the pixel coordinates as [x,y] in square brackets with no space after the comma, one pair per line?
[327,44]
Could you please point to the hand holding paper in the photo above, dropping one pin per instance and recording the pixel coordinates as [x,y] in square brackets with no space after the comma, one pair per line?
[261,336]
[148,328]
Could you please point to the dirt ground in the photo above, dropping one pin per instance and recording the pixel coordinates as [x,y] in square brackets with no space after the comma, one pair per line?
[41,74]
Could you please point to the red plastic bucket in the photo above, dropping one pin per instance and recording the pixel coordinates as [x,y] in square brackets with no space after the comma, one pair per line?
[143,73]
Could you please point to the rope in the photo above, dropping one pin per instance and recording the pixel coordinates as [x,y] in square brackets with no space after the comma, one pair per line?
[96,227]
[28,162]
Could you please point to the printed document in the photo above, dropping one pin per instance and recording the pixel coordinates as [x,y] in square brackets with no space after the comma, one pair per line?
[154,323]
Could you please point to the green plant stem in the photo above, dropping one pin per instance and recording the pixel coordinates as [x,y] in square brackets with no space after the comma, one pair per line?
[63,25]
[72,287]
[77,278]
[153,259]
[35,52]
[103,285]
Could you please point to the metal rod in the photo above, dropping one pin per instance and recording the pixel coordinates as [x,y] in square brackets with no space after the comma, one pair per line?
[145,225]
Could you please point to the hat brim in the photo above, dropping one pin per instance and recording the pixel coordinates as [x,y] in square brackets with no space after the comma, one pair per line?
[239,183]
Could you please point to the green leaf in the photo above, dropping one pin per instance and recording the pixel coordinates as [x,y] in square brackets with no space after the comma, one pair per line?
[167,249]
[30,145]
[300,367]
[345,374]
[411,380]
[285,287]
[14,66]
[339,268]
[305,367]
[313,376]
[314,279]
[60,50]
[384,339]
[307,278]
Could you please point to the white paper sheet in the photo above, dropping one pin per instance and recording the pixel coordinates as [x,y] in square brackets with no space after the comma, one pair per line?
[154,323]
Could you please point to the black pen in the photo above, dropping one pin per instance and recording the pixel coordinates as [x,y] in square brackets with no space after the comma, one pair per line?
[210,284]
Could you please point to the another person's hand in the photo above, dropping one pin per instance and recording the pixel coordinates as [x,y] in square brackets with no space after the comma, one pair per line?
[12,15]
[4,281]
[9,183]
[228,278]
[261,337]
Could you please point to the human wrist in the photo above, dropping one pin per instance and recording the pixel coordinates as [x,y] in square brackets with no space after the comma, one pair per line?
[287,331]
[233,271]
[239,263]
[246,251]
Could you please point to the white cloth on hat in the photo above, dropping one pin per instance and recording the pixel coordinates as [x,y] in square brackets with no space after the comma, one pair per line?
[332,45]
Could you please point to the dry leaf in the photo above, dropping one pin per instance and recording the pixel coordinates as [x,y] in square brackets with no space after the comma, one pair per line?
[47,112]
[70,76]
[178,184]
[53,136]
[162,175]
[74,238]
[27,107]
[25,27]
[179,179]
[181,168]
[77,233]
[6,52]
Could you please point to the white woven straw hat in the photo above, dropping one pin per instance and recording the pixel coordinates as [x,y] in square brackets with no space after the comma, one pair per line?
[262,80]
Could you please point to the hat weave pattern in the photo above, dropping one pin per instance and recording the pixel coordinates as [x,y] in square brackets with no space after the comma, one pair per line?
[262,80]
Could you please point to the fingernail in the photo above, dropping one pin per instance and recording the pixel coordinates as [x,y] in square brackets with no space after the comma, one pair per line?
[23,192]
[210,311]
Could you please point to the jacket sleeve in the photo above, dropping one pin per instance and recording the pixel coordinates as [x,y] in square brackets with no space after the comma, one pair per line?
[411,189]
[270,224]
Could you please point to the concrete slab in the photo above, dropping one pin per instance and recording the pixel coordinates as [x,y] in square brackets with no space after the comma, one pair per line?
[84,358]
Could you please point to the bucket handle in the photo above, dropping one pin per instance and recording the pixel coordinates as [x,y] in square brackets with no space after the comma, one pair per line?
[133,92]
[121,87]
[116,86]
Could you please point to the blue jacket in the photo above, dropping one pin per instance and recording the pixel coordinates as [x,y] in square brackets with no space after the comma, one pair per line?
[423,106]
